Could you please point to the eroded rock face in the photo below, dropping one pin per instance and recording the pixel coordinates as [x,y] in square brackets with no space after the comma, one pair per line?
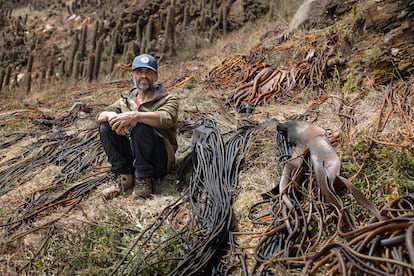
[383,17]
[393,20]
[320,13]
[379,44]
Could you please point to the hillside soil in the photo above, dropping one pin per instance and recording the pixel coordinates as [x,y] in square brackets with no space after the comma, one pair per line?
[351,69]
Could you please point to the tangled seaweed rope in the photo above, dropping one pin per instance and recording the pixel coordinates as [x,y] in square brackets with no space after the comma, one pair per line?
[305,236]
[398,100]
[274,85]
[295,211]
[381,248]
[80,157]
[233,71]
[346,112]
[206,206]
[261,84]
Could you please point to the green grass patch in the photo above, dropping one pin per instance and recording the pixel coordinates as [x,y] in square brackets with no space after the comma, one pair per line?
[383,173]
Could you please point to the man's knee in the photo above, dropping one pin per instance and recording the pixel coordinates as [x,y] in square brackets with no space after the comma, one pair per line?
[104,128]
[141,129]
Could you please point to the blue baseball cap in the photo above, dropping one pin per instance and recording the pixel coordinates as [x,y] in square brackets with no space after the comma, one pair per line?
[146,61]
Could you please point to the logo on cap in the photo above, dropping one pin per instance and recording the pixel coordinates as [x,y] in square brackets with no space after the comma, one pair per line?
[145,60]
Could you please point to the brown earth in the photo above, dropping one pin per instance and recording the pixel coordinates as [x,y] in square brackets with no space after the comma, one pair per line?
[372,55]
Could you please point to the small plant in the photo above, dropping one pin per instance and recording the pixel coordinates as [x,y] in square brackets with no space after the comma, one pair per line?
[382,173]
[89,250]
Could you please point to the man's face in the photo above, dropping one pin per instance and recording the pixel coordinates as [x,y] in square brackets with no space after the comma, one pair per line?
[144,79]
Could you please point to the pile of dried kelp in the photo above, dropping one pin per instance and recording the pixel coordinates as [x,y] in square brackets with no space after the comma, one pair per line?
[383,247]
[80,158]
[398,102]
[247,81]
[308,226]
[199,222]
[258,84]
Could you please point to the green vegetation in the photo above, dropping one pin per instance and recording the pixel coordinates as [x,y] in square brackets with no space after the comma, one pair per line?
[382,172]
[95,245]
[91,249]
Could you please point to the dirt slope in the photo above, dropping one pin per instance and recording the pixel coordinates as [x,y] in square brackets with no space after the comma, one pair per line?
[362,54]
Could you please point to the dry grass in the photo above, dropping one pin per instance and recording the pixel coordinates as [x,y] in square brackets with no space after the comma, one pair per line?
[259,173]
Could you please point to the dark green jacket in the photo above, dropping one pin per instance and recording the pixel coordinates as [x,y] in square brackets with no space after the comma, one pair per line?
[164,104]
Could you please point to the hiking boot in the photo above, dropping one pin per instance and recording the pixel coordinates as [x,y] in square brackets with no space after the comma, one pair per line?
[143,188]
[122,183]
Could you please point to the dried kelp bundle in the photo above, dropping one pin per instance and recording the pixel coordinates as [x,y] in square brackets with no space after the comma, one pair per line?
[200,221]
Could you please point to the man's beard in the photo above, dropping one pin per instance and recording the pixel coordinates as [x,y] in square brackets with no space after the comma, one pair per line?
[144,87]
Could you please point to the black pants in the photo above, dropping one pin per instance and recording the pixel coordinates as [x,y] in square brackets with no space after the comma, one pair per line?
[143,154]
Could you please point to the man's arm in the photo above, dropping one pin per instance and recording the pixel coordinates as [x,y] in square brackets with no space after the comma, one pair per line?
[105,116]
[120,122]
[108,116]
